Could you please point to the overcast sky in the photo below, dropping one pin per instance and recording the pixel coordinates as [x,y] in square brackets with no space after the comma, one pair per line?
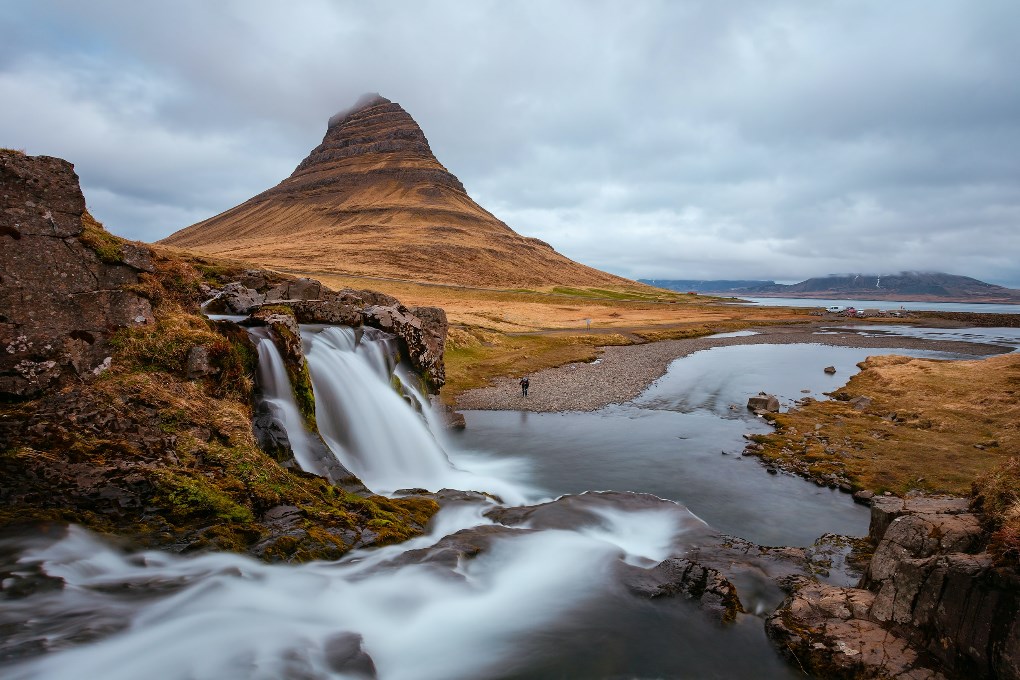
[675,139]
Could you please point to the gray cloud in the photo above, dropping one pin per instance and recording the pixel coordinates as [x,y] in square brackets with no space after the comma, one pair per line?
[653,139]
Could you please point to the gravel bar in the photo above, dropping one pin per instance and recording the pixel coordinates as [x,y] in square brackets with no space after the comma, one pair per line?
[622,373]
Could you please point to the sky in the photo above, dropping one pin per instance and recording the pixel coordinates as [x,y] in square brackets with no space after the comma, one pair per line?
[682,139]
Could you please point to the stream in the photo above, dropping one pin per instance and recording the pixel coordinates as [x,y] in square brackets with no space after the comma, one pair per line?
[551,592]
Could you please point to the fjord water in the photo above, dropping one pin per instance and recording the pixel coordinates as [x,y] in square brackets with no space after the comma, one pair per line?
[541,601]
[977,307]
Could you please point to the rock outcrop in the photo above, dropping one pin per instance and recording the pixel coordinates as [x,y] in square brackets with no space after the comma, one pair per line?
[65,286]
[932,603]
[421,331]
[123,409]
[372,200]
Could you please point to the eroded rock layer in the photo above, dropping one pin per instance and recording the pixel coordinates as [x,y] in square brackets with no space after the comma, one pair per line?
[372,200]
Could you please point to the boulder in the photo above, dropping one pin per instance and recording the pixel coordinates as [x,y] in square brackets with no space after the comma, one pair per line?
[343,308]
[237,298]
[829,369]
[763,402]
[60,301]
[197,364]
[296,289]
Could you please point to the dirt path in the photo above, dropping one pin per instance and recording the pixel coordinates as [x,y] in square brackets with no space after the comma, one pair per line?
[621,373]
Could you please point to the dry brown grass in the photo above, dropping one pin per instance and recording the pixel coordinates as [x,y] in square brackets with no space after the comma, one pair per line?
[496,333]
[932,425]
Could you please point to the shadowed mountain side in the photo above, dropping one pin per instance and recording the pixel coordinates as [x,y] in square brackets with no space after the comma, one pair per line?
[373,200]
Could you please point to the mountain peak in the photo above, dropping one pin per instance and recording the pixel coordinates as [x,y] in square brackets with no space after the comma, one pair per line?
[365,101]
[373,200]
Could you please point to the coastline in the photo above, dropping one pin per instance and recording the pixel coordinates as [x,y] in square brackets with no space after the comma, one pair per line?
[621,373]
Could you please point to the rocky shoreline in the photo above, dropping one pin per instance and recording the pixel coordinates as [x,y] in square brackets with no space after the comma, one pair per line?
[622,373]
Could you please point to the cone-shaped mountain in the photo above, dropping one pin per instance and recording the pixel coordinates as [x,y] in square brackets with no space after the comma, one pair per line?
[372,200]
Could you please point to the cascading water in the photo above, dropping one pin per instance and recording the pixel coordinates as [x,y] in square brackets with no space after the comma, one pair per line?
[368,424]
[277,392]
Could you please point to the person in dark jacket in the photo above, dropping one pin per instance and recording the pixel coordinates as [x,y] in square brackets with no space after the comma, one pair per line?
[524,386]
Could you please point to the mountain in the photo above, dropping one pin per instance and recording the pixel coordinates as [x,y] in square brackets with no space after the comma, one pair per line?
[372,200]
[714,286]
[916,286]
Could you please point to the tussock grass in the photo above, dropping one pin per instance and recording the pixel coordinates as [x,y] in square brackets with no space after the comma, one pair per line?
[934,426]
[997,495]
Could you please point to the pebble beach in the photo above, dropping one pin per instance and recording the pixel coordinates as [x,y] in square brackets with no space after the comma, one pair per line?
[622,373]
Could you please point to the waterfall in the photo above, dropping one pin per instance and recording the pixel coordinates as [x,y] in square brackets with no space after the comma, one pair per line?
[376,420]
[277,392]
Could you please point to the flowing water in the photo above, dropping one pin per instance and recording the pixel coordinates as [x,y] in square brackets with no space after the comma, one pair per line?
[551,595]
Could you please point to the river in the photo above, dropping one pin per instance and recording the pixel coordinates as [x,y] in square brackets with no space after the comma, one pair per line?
[546,588]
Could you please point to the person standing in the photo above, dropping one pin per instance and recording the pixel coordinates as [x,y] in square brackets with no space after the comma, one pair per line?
[524,386]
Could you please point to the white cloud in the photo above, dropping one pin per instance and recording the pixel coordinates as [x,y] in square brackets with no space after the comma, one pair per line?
[657,139]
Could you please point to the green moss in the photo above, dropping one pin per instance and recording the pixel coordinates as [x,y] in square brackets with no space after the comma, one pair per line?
[188,497]
[104,244]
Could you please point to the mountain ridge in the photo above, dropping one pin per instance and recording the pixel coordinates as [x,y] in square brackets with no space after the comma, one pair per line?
[373,200]
[907,286]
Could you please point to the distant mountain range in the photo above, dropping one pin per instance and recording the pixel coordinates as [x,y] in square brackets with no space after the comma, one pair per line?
[722,286]
[907,286]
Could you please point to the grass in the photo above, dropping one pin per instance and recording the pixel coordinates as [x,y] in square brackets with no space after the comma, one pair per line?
[475,356]
[105,245]
[931,425]
[997,495]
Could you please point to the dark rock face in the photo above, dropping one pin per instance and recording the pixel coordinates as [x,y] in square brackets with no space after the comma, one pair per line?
[422,332]
[59,301]
[930,602]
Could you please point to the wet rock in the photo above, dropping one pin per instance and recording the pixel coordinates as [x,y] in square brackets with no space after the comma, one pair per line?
[423,338]
[824,630]
[679,576]
[830,369]
[931,602]
[763,402]
[345,654]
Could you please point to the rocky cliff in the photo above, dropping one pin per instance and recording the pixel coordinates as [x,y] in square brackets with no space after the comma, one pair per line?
[372,200]
[125,410]
[933,603]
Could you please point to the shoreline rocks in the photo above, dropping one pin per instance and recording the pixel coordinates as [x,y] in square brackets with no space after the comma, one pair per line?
[931,602]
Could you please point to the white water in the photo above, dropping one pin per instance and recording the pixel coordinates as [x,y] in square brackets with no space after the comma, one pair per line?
[222,616]
[373,431]
[277,392]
